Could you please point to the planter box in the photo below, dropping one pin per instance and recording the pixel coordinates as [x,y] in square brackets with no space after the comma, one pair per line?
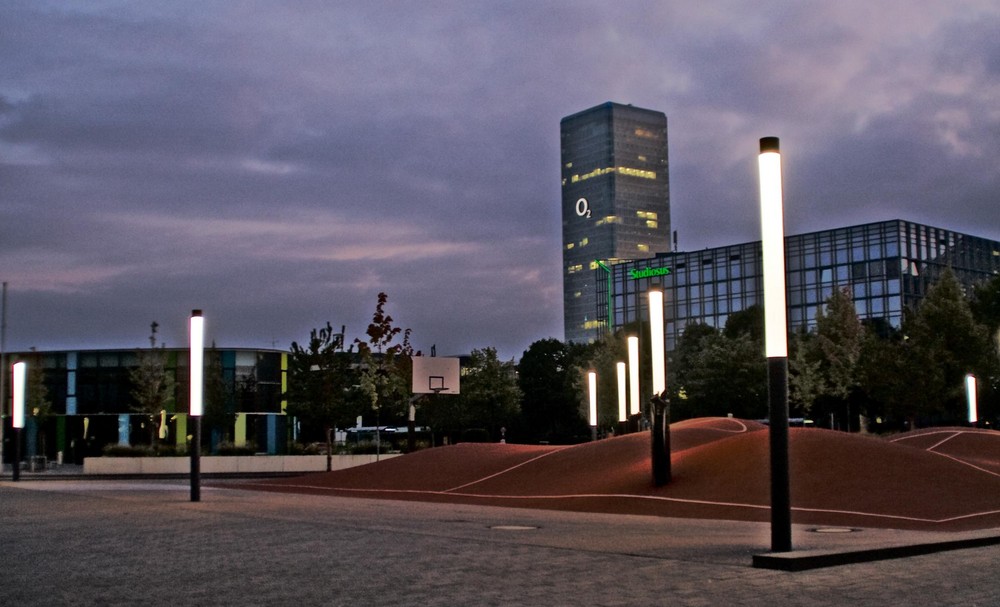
[216,464]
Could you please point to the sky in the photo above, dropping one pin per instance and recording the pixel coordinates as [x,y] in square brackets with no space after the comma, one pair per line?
[278,164]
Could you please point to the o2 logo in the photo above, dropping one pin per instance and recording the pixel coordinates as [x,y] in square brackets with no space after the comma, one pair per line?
[583,208]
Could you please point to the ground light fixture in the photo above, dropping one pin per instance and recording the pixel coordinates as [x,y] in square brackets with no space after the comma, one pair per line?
[659,404]
[972,397]
[775,339]
[197,374]
[19,372]
[633,374]
[622,392]
[592,391]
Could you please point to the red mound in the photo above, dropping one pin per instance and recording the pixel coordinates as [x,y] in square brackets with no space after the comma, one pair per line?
[720,468]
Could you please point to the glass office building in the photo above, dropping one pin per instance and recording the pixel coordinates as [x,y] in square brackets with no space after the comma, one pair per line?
[888,266]
[93,404]
[615,201]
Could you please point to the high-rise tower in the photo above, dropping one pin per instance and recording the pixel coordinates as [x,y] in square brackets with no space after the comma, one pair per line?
[615,202]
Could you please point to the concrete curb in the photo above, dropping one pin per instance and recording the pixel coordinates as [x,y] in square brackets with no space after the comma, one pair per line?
[816,559]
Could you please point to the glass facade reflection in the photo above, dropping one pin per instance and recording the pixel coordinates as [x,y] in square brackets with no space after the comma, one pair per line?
[887,265]
[615,202]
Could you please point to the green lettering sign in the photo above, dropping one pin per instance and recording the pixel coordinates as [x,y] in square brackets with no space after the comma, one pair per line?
[648,273]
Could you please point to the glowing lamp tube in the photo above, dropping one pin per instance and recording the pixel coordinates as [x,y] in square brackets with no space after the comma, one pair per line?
[970,392]
[656,341]
[19,371]
[622,389]
[773,244]
[592,385]
[633,374]
[197,362]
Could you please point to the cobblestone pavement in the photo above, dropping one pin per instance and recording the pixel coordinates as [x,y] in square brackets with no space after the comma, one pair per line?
[145,543]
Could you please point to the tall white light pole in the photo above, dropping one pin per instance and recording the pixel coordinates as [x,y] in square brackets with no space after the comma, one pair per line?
[592,391]
[972,397]
[197,371]
[657,356]
[775,339]
[18,374]
[622,392]
[633,374]
[659,404]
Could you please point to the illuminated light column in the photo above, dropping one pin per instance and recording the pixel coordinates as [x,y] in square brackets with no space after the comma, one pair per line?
[197,373]
[656,340]
[18,373]
[659,404]
[971,395]
[775,339]
[622,393]
[633,374]
[592,390]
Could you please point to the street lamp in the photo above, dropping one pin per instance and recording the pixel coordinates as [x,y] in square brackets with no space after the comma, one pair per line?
[592,390]
[659,403]
[971,396]
[197,371]
[622,390]
[633,374]
[18,373]
[775,339]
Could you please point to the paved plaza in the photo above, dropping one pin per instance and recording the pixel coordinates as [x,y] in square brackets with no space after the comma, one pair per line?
[141,542]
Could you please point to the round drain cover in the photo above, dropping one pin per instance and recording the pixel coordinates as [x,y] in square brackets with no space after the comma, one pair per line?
[833,530]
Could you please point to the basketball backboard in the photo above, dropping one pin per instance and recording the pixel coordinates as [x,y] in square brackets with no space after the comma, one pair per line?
[435,375]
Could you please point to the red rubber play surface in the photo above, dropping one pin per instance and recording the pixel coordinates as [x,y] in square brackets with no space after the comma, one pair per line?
[941,479]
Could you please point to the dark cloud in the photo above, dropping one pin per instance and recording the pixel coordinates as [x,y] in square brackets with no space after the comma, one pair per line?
[279,164]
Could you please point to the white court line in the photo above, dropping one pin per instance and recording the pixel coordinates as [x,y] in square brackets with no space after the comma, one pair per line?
[496,474]
[546,454]
[654,498]
[85,485]
[952,434]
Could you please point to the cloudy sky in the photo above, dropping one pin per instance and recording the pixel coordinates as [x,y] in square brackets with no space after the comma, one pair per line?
[277,164]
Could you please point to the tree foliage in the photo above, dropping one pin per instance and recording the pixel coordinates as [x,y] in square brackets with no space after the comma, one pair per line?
[548,375]
[152,385]
[386,366]
[489,399]
[320,382]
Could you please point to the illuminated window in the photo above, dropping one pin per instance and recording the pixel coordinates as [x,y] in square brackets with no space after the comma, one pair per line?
[593,265]
[584,242]
[574,268]
[569,165]
[643,247]
[642,158]
[608,219]
[652,223]
[647,215]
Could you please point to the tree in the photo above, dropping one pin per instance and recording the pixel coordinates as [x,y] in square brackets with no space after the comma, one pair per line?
[727,375]
[489,399]
[805,383]
[152,386]
[386,367]
[37,405]
[825,367]
[319,383]
[839,335]
[550,392]
[942,343]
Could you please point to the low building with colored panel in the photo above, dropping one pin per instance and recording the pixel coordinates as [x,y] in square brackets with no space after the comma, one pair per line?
[92,401]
